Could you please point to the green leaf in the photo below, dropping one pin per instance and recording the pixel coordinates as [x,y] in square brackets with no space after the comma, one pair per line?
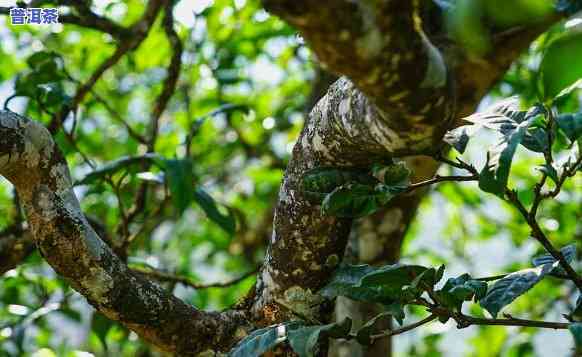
[225,221]
[427,279]
[536,140]
[39,59]
[52,95]
[550,171]
[317,183]
[576,331]
[505,290]
[512,127]
[397,311]
[393,276]
[569,6]
[479,288]
[386,285]
[262,340]
[100,326]
[346,282]
[569,252]
[460,289]
[499,117]
[304,340]
[571,125]
[116,166]
[44,70]
[356,200]
[395,176]
[180,177]
[560,68]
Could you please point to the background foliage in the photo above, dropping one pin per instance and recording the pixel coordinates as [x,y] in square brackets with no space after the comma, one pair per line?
[244,85]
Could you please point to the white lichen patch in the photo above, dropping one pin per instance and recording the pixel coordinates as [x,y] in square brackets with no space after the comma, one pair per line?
[30,155]
[97,283]
[267,280]
[301,301]
[320,146]
[39,143]
[60,175]
[45,205]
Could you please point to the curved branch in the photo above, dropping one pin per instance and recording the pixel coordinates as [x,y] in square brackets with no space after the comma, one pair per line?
[357,124]
[30,160]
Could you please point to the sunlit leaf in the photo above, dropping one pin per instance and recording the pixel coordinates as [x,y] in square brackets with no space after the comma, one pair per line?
[180,180]
[511,128]
[569,252]
[504,291]
[116,166]
[226,221]
[560,68]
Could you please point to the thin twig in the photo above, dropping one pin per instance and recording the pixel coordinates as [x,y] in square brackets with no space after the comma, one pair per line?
[540,236]
[163,276]
[389,333]
[439,178]
[139,32]
[171,81]
[469,320]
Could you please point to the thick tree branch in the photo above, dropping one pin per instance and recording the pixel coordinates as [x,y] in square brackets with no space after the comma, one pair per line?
[382,48]
[348,129]
[30,160]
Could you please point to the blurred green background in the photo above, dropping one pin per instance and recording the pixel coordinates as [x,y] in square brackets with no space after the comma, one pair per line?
[244,87]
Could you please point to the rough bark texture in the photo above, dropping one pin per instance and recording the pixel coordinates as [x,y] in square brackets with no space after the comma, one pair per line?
[361,121]
[386,108]
[30,160]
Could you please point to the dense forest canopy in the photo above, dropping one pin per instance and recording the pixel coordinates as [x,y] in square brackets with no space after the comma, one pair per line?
[291,177]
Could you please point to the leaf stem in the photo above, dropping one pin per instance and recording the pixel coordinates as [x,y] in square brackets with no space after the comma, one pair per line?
[540,236]
[389,333]
[438,178]
[465,321]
